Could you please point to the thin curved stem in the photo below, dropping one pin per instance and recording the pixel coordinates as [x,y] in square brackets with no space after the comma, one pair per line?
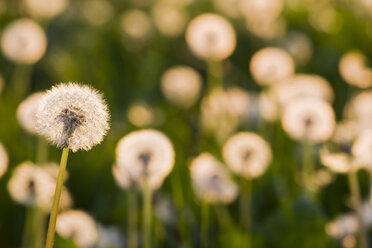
[132,219]
[204,235]
[57,196]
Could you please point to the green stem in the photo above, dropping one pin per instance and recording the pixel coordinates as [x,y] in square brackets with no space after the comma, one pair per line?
[308,165]
[204,237]
[57,196]
[357,204]
[215,75]
[245,203]
[132,219]
[147,195]
[223,215]
[27,232]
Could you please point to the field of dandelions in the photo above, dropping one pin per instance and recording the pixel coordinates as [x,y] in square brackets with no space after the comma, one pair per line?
[185,123]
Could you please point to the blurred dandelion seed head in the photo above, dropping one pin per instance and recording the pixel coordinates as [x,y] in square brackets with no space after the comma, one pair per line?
[78,226]
[211,180]
[45,8]
[211,37]
[140,114]
[300,46]
[4,160]
[268,105]
[136,24]
[229,8]
[181,85]
[359,109]
[344,225]
[309,119]
[271,65]
[145,155]
[32,185]
[170,19]
[74,116]
[261,9]
[26,112]
[354,70]
[247,154]
[362,148]
[23,41]
[122,178]
[304,85]
[98,12]
[338,162]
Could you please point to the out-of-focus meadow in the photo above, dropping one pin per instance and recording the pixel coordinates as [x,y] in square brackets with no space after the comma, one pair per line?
[267,104]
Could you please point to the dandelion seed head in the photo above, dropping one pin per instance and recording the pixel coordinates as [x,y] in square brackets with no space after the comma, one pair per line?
[45,8]
[136,24]
[26,112]
[247,154]
[74,116]
[309,119]
[349,241]
[345,131]
[78,226]
[342,226]
[229,8]
[338,162]
[3,160]
[170,19]
[261,9]
[359,109]
[145,155]
[362,147]
[122,178]
[268,105]
[354,70]
[211,180]
[211,37]
[304,85]
[271,65]
[300,46]
[181,85]
[98,12]
[267,29]
[23,41]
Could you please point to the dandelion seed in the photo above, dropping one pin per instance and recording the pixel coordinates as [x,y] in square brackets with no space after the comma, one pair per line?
[45,8]
[271,65]
[247,154]
[145,155]
[23,41]
[3,160]
[181,85]
[309,119]
[73,116]
[353,69]
[26,112]
[211,37]
[78,226]
[211,180]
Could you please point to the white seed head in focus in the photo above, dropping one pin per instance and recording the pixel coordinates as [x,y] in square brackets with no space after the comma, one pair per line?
[271,65]
[211,180]
[4,160]
[79,226]
[145,155]
[45,8]
[211,37]
[247,154]
[23,41]
[26,112]
[73,115]
[181,85]
[309,119]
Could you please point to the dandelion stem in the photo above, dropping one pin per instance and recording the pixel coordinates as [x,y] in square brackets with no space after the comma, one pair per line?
[356,201]
[57,196]
[147,195]
[27,232]
[215,75]
[308,164]
[204,225]
[245,203]
[132,219]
